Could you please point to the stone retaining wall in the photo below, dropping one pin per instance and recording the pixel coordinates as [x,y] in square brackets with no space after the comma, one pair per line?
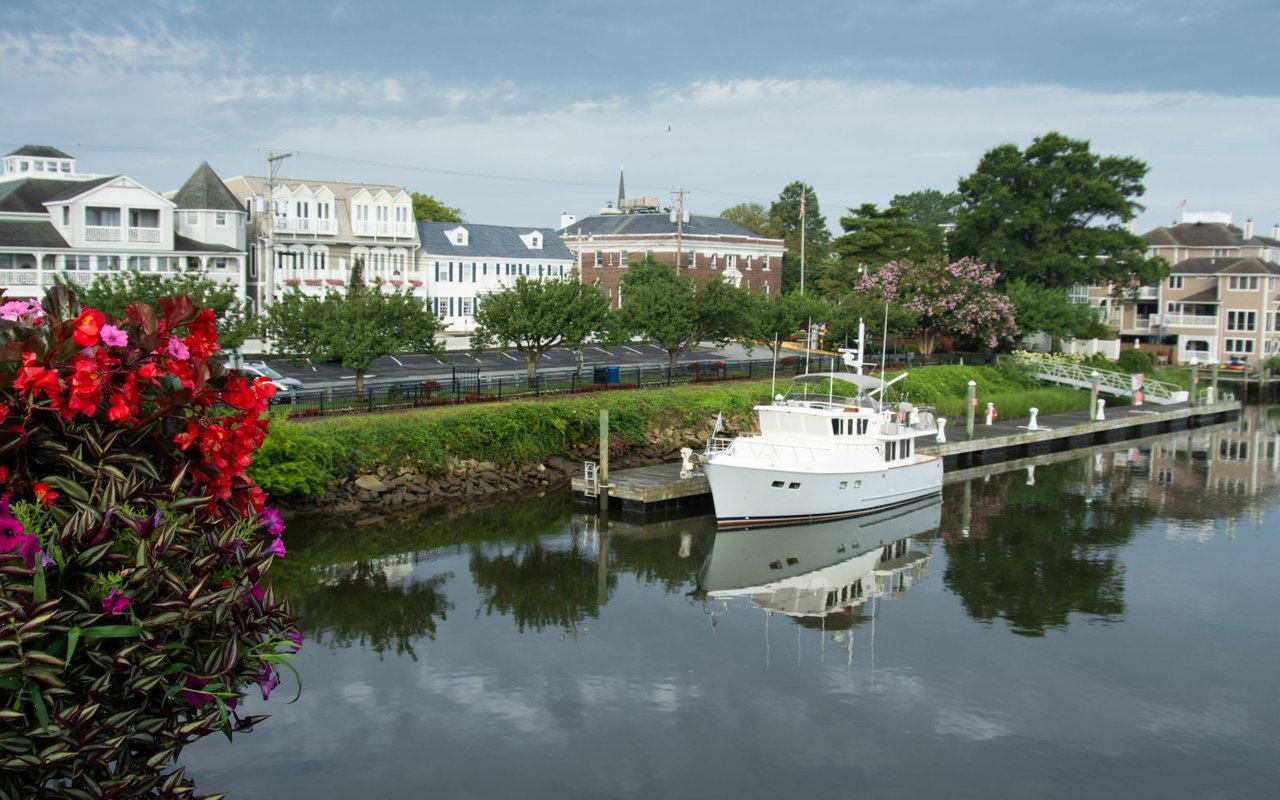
[468,478]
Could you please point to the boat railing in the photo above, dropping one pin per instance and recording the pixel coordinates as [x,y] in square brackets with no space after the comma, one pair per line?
[718,444]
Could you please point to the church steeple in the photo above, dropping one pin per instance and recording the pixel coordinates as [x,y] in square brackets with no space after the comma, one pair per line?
[622,189]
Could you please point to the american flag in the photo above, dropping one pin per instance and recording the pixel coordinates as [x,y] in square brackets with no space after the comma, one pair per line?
[1183,204]
[802,194]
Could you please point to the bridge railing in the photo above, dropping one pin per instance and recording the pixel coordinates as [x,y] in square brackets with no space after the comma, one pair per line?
[1110,381]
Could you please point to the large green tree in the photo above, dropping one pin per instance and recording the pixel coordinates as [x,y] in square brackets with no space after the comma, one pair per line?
[775,317]
[534,316]
[355,327]
[1055,214]
[931,211]
[752,216]
[872,239]
[112,292]
[428,209]
[1041,308]
[786,223]
[675,312]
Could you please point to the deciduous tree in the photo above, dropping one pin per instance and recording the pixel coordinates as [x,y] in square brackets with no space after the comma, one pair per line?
[534,316]
[948,299]
[930,210]
[752,216]
[354,328]
[658,304]
[872,239]
[1055,214]
[428,209]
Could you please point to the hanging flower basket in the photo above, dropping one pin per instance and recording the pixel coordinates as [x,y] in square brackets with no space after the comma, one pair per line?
[292,281]
[416,283]
[314,281]
[334,281]
[397,282]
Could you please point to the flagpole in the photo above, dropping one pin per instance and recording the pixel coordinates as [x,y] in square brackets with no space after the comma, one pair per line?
[803,191]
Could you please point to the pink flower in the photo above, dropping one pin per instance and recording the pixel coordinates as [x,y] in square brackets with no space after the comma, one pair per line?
[277,547]
[196,698]
[267,681]
[177,349]
[115,602]
[113,336]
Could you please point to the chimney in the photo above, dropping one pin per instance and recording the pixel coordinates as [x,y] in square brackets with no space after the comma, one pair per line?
[566,220]
[1248,229]
[1275,231]
[1131,225]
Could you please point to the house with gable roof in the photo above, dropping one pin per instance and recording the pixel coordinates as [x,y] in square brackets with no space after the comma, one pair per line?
[56,221]
[459,263]
[1221,301]
[318,229]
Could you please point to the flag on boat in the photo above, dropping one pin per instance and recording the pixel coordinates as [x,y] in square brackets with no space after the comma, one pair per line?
[719,424]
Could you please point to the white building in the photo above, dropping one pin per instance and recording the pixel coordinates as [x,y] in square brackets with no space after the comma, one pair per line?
[460,262]
[320,229]
[57,221]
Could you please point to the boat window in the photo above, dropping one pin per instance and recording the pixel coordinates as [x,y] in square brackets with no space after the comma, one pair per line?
[794,485]
[844,484]
[890,451]
[836,425]
[777,484]
[906,448]
[857,484]
[862,427]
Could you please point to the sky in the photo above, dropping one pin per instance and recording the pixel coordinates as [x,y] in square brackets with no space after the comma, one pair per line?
[518,111]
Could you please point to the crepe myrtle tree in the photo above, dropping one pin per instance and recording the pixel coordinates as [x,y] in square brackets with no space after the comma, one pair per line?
[947,299]
[533,316]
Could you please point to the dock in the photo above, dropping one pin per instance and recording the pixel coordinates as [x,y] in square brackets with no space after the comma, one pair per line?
[658,492]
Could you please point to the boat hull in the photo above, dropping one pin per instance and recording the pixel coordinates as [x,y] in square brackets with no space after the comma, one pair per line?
[747,494]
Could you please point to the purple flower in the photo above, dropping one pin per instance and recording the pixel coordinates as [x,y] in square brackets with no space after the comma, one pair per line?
[31,549]
[177,349]
[267,681]
[115,602]
[271,518]
[113,336]
[195,699]
[296,638]
[45,561]
[277,547]
[12,533]
[255,592]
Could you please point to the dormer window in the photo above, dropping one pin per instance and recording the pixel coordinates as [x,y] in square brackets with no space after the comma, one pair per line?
[462,237]
[458,237]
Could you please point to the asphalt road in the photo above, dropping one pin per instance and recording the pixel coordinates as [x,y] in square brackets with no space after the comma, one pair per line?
[494,363]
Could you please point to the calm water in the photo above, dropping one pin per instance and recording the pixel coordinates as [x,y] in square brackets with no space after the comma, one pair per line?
[1098,626]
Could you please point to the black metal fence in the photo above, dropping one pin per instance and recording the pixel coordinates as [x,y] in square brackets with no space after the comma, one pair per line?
[470,385]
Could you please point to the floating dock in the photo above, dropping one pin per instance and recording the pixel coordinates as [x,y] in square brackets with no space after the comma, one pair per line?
[658,491]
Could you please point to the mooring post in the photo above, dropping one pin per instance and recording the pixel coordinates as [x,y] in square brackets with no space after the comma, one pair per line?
[1213,383]
[1093,395]
[1032,426]
[604,458]
[973,408]
[1102,408]
[942,429]
[1195,381]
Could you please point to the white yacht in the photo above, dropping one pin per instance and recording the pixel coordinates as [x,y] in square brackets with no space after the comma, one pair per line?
[821,455]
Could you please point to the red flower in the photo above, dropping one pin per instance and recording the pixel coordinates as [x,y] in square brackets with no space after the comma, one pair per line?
[88,326]
[4,474]
[44,494]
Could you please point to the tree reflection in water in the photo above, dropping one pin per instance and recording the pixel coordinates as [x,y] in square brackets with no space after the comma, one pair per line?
[539,587]
[1035,555]
[375,605]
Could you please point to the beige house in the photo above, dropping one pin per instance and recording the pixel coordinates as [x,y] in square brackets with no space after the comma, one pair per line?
[1221,301]
[319,229]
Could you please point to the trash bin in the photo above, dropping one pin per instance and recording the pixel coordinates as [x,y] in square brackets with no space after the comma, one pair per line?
[613,375]
[600,375]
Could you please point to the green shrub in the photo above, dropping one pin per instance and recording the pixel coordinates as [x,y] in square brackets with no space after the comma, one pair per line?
[1134,360]
[291,464]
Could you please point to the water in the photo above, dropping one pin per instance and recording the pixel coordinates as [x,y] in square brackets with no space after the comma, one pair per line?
[1103,625]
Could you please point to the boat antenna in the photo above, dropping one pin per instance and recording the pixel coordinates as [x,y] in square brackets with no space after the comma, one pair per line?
[862,344]
[884,343]
[808,343]
[773,384]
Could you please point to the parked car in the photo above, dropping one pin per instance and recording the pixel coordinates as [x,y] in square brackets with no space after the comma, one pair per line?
[259,369]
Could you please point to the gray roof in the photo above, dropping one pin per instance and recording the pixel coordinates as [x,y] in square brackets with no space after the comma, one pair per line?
[39,151]
[1225,266]
[30,234]
[656,225]
[1196,234]
[188,245]
[1209,295]
[28,196]
[490,241]
[205,190]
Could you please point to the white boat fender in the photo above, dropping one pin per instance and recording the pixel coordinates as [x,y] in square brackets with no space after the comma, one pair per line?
[689,463]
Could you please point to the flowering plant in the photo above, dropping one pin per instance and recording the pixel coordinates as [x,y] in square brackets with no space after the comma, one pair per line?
[133,547]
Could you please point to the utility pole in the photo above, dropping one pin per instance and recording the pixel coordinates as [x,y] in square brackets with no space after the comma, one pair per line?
[680,229]
[268,272]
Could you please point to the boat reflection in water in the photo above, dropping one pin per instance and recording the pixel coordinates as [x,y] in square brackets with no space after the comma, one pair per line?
[824,572]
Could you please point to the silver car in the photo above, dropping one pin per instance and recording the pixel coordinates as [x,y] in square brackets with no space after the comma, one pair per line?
[259,369]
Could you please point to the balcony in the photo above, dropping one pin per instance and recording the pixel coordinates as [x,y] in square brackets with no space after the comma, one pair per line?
[147,235]
[1148,293]
[315,227]
[102,233]
[17,277]
[399,230]
[81,277]
[1189,321]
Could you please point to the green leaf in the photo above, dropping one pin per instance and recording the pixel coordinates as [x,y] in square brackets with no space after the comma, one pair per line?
[69,487]
[110,631]
[73,637]
[42,713]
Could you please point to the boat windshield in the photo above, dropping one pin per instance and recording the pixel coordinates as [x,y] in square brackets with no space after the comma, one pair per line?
[837,388]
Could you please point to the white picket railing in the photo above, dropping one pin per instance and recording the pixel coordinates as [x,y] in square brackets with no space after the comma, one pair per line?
[1119,384]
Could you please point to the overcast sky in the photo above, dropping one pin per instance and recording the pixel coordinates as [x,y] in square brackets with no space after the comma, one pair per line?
[518,111]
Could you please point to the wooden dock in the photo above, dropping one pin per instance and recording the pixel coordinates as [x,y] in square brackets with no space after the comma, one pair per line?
[658,492]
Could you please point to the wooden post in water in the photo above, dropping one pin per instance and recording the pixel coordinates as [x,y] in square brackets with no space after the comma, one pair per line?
[1195,381]
[1093,396]
[604,458]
